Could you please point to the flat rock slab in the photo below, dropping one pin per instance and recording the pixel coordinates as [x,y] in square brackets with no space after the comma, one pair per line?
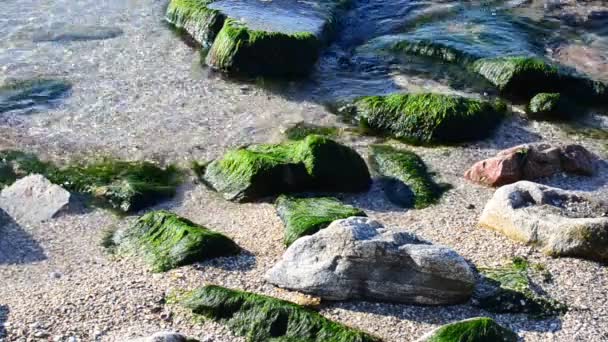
[357,258]
[562,223]
[34,199]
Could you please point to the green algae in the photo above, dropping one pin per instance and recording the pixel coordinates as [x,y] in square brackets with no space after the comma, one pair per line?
[429,118]
[301,130]
[408,168]
[22,94]
[167,241]
[261,318]
[313,164]
[511,291]
[195,18]
[434,50]
[122,185]
[238,49]
[552,106]
[306,216]
[478,329]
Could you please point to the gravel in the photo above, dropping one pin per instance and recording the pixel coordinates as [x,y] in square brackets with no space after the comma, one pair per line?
[143,95]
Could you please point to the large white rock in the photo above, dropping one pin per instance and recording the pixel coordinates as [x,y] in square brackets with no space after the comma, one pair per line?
[357,258]
[562,223]
[33,199]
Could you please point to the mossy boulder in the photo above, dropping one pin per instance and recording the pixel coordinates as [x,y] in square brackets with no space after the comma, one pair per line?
[122,185]
[478,329]
[552,106]
[306,216]
[313,164]
[407,181]
[22,94]
[167,241]
[427,118]
[301,130]
[508,289]
[431,49]
[261,318]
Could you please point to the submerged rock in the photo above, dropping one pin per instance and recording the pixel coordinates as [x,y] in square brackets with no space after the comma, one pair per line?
[508,289]
[531,161]
[478,329]
[167,241]
[561,223]
[356,258]
[407,182]
[551,106]
[301,130]
[62,32]
[261,318]
[22,94]
[257,37]
[306,216]
[313,164]
[34,199]
[428,118]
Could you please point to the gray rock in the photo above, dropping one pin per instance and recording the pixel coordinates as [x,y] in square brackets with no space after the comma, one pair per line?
[357,258]
[34,199]
[165,337]
[562,223]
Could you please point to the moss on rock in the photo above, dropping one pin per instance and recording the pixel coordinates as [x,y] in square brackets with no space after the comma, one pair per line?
[551,106]
[21,94]
[238,49]
[306,216]
[194,17]
[429,118]
[314,163]
[167,241]
[409,169]
[478,329]
[431,49]
[261,318]
[123,185]
[508,289]
[301,130]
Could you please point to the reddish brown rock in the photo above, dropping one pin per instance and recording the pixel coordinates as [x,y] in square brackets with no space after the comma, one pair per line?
[531,161]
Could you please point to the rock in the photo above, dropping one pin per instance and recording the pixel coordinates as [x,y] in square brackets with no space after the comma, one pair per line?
[34,199]
[551,106]
[478,329]
[531,161]
[165,337]
[26,94]
[262,318]
[62,32]
[167,241]
[312,164]
[301,130]
[562,223]
[306,216]
[428,118]
[276,38]
[356,258]
[417,189]
[508,289]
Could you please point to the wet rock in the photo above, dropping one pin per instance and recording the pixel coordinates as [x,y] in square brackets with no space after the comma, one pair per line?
[306,216]
[61,32]
[262,318]
[417,188]
[34,199]
[551,106]
[588,59]
[275,38]
[508,289]
[301,130]
[357,258]
[428,118]
[312,164]
[22,94]
[531,161]
[167,241]
[478,329]
[165,337]
[561,223]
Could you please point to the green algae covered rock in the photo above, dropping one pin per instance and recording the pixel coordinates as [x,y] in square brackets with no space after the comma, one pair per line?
[167,241]
[431,49]
[196,18]
[478,329]
[261,318]
[551,106]
[417,188]
[315,163]
[306,216]
[21,94]
[508,289]
[122,185]
[301,130]
[429,118]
